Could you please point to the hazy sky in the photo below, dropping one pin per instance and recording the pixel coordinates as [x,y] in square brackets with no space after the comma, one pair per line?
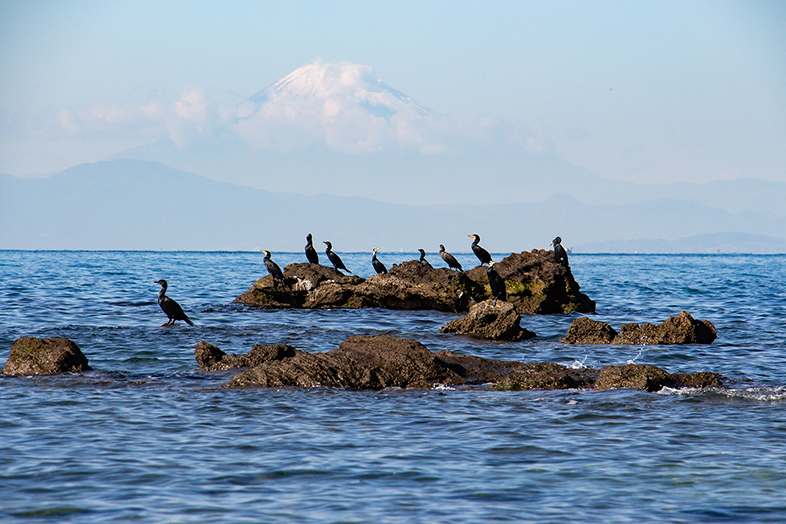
[641,91]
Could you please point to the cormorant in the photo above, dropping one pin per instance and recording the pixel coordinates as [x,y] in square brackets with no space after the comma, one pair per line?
[170,307]
[422,256]
[311,253]
[273,269]
[559,252]
[449,259]
[481,253]
[496,283]
[379,267]
[334,258]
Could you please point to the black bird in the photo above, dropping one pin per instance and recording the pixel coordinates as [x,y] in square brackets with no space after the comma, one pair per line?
[422,256]
[311,253]
[449,259]
[496,283]
[334,258]
[170,307]
[274,270]
[481,253]
[379,267]
[559,252]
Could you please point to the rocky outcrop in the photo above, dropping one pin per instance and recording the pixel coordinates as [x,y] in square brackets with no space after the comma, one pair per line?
[211,358]
[45,356]
[359,363]
[378,362]
[491,322]
[535,284]
[682,329]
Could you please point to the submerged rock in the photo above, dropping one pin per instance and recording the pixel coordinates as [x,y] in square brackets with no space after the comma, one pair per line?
[211,358]
[45,356]
[490,321]
[682,329]
[535,283]
[378,362]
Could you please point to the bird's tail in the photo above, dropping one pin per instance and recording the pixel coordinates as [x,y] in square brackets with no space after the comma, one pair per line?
[188,320]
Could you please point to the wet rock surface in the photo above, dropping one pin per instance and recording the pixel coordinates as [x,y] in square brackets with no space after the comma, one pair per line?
[535,284]
[211,358]
[490,321]
[384,361]
[45,356]
[682,329]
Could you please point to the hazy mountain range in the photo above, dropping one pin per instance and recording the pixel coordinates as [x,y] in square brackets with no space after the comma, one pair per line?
[132,204]
[332,150]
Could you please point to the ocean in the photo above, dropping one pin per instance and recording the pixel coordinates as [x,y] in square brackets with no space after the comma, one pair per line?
[149,437]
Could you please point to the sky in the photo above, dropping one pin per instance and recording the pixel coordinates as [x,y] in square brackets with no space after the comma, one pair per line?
[638,91]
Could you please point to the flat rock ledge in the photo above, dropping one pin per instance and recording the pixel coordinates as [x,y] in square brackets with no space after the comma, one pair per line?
[682,329]
[490,321]
[535,283]
[379,362]
[45,356]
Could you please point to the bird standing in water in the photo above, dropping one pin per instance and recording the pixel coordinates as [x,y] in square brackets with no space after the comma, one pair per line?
[559,252]
[449,259]
[170,307]
[311,253]
[496,283]
[379,267]
[334,258]
[481,253]
[274,270]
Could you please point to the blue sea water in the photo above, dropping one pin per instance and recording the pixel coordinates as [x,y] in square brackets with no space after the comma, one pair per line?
[148,437]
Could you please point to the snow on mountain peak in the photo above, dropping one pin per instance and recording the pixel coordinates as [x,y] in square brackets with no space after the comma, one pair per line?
[342,105]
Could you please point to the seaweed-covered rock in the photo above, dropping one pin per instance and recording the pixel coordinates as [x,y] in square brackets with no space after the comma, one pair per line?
[535,284]
[682,329]
[651,378]
[368,362]
[211,358]
[490,321]
[45,356]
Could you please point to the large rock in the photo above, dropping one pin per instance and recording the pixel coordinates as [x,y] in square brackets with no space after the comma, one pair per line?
[359,363]
[45,356]
[535,283]
[682,329]
[367,362]
[490,321]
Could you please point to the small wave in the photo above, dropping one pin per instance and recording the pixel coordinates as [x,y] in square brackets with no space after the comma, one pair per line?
[757,394]
[442,387]
[634,359]
[578,364]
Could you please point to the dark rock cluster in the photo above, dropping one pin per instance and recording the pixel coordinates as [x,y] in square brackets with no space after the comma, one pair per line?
[535,284]
[379,362]
[45,356]
[682,329]
[490,321]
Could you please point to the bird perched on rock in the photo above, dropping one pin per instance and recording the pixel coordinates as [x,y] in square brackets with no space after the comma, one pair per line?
[496,283]
[311,253]
[379,267]
[170,307]
[559,252]
[334,258]
[422,256]
[481,253]
[274,270]
[449,259]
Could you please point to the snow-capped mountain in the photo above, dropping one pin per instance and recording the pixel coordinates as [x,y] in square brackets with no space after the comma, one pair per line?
[341,105]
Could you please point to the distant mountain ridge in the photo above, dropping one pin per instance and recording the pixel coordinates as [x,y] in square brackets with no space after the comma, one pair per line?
[132,204]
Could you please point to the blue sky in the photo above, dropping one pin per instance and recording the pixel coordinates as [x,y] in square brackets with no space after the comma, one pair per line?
[653,92]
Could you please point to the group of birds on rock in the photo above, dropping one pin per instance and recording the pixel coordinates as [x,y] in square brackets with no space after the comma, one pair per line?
[496,283]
